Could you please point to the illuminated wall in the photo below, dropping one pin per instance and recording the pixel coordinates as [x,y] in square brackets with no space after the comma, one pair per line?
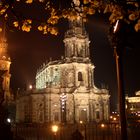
[69,92]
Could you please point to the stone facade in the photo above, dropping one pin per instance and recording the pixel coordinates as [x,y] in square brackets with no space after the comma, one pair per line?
[133,104]
[65,90]
[5,62]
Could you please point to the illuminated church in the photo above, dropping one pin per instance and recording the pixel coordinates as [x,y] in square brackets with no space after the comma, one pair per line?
[65,90]
[5,62]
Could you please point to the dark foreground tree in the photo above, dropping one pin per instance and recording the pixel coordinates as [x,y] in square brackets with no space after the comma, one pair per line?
[19,14]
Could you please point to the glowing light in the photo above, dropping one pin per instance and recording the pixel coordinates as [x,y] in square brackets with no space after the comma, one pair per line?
[114,119]
[81,122]
[116,26]
[30,86]
[0,29]
[111,117]
[54,128]
[102,125]
[8,120]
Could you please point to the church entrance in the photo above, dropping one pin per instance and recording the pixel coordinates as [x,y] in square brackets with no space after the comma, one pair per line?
[83,115]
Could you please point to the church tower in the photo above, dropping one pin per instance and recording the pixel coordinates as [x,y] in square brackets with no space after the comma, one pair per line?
[77,53]
[77,42]
[5,62]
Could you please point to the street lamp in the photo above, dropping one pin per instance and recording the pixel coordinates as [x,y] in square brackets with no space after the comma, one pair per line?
[8,120]
[103,130]
[102,125]
[114,119]
[54,130]
[85,129]
[121,95]
[30,87]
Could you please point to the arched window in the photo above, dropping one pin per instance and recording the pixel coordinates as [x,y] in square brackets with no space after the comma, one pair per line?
[80,77]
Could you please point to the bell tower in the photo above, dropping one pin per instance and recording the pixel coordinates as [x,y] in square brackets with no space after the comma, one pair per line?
[5,62]
[76,42]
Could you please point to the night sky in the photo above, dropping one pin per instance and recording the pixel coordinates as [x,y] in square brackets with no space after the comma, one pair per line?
[28,51]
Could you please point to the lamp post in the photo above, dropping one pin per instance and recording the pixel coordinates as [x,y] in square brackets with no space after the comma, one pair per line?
[121,95]
[55,130]
[85,128]
[103,130]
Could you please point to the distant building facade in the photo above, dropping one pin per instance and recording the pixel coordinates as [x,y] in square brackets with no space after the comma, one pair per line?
[5,62]
[65,89]
[133,104]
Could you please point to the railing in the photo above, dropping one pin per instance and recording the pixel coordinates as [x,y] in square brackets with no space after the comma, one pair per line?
[92,131]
